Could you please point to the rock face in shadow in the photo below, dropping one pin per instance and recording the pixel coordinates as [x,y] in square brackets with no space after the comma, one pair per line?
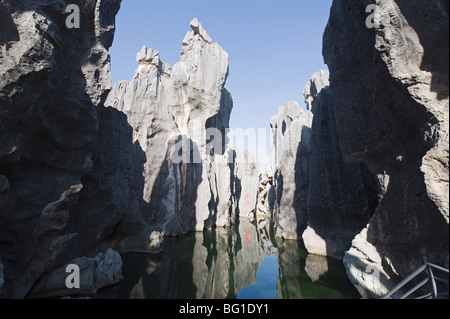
[341,197]
[95,273]
[52,80]
[290,157]
[390,101]
[108,212]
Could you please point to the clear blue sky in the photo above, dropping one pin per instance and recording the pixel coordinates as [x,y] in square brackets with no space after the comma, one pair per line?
[274,46]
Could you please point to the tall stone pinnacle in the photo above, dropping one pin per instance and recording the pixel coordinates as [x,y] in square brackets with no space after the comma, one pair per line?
[197,29]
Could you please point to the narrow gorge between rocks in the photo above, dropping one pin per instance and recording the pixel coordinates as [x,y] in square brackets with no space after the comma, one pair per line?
[238,262]
[137,189]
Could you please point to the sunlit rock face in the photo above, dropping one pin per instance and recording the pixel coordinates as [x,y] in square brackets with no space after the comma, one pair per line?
[169,111]
[266,192]
[52,80]
[389,81]
[290,157]
[176,169]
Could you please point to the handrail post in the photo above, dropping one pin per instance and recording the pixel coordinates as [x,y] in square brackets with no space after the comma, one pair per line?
[433,282]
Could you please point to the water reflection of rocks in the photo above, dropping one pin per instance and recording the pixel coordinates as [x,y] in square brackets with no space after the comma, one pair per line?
[218,263]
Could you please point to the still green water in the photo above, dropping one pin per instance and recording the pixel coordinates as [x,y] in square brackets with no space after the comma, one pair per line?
[240,262]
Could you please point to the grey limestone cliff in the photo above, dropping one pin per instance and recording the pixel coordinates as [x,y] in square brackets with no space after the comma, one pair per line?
[341,197]
[318,198]
[176,168]
[290,156]
[390,100]
[52,80]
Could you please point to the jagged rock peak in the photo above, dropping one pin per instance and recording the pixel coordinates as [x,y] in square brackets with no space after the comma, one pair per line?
[147,56]
[197,29]
[318,81]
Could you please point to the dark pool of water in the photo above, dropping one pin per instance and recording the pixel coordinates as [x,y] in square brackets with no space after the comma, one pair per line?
[241,262]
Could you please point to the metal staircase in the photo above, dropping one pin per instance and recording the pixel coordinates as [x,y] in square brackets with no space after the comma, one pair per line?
[437,286]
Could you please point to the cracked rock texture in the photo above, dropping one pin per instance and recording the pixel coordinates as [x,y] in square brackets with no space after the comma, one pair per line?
[319,198]
[52,80]
[341,197]
[102,271]
[390,101]
[176,118]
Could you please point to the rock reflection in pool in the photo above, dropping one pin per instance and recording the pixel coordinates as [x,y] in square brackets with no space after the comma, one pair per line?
[228,263]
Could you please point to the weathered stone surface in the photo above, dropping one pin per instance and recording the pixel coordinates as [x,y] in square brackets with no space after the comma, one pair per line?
[390,91]
[266,191]
[52,78]
[111,199]
[246,180]
[170,113]
[192,181]
[108,269]
[197,28]
[95,273]
[156,242]
[341,197]
[290,156]
[147,56]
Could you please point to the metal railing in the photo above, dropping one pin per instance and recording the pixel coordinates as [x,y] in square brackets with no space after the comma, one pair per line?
[431,277]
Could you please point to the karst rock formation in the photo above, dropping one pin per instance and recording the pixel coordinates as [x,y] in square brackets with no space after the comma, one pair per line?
[378,184]
[89,172]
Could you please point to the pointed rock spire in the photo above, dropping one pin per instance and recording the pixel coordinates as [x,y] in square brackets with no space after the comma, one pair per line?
[147,56]
[197,28]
